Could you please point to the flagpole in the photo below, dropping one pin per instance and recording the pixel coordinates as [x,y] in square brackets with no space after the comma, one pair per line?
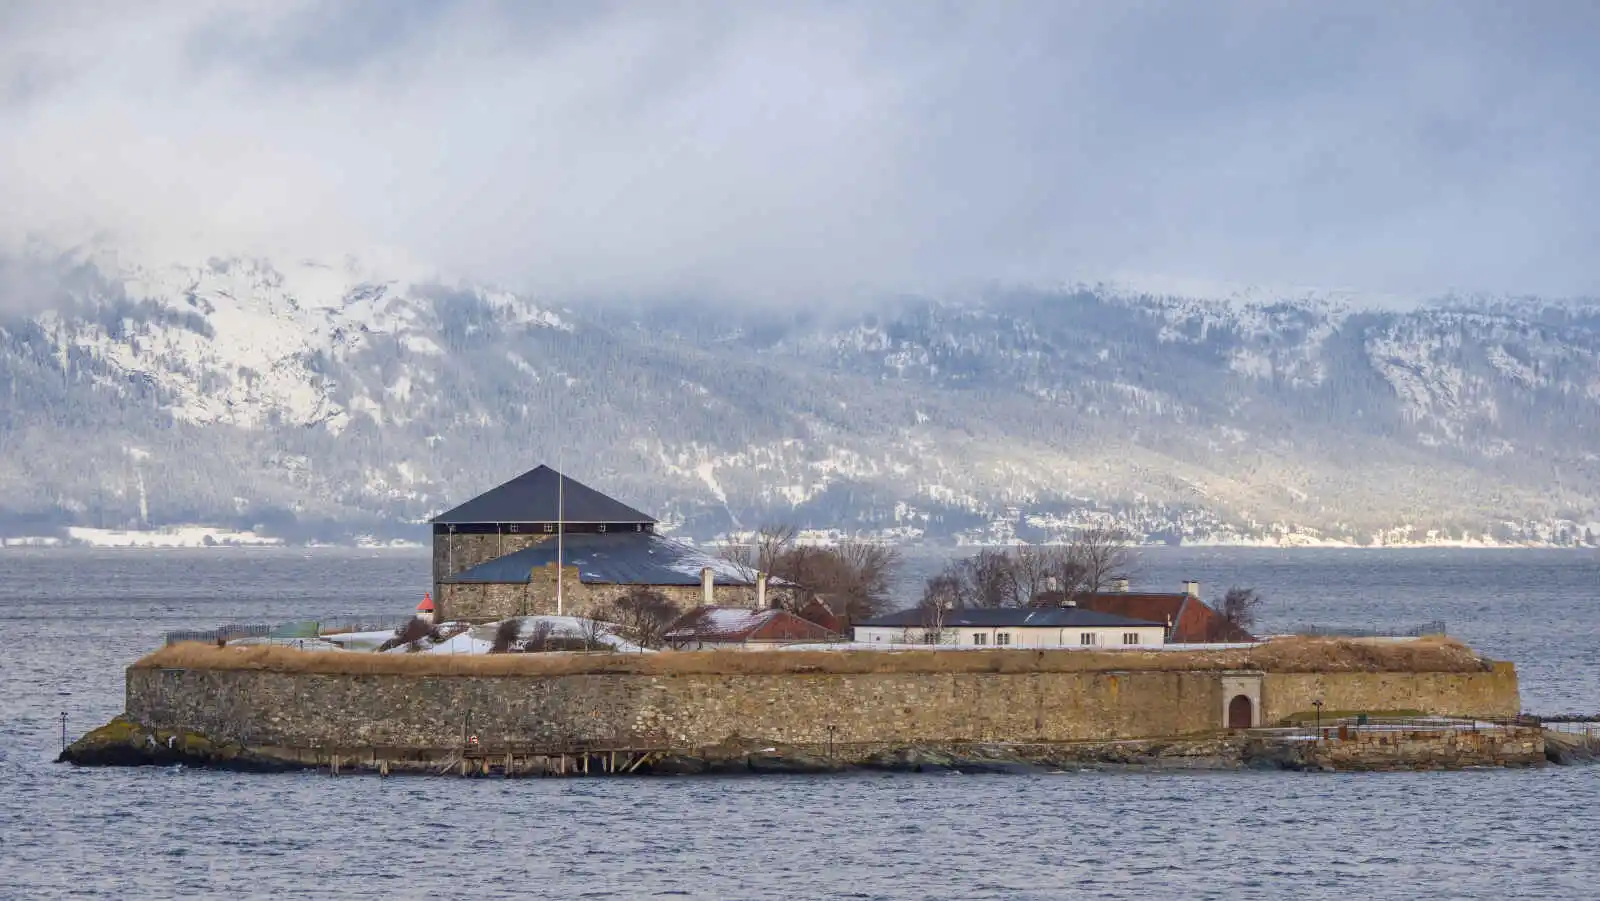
[561,523]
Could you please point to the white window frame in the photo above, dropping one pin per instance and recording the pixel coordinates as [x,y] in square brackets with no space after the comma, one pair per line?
[1130,638]
[1002,639]
[1087,639]
[978,638]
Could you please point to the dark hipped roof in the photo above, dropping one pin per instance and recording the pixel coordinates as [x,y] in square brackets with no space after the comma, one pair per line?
[1011,617]
[532,497]
[617,558]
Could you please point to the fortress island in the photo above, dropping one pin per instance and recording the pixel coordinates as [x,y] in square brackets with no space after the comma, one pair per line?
[778,692]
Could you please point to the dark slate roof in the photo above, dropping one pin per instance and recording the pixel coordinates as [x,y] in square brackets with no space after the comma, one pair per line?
[617,558]
[1012,617]
[532,497]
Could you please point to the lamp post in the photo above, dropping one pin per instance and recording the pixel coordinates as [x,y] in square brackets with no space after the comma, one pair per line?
[1318,704]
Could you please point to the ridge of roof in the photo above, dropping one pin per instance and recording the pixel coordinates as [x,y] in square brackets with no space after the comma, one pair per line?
[721,623]
[542,495]
[1012,617]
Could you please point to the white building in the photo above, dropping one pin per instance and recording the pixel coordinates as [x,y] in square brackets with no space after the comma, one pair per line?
[1015,627]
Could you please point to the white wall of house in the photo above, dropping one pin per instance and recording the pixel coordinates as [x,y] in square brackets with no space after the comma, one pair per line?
[1020,636]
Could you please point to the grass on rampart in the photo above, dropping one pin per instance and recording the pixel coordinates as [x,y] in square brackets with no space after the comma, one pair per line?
[1286,655]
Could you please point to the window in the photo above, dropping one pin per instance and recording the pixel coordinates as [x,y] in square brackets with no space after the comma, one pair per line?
[512,529]
[1130,638]
[549,527]
[930,637]
[602,527]
[980,638]
[1002,638]
[1086,638]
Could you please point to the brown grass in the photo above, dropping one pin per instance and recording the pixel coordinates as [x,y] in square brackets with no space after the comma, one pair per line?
[1292,655]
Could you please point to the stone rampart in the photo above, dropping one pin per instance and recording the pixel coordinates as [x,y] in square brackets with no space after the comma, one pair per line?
[1454,694]
[1414,748]
[320,710]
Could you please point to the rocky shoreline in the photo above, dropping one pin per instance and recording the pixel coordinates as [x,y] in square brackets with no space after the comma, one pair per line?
[125,742]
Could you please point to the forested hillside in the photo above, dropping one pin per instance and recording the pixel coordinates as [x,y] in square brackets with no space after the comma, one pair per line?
[327,401]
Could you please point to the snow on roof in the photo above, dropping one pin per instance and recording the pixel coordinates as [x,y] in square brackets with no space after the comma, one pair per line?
[480,639]
[616,558]
[742,623]
[1011,617]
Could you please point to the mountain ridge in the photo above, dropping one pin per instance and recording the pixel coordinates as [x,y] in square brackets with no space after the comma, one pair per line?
[319,402]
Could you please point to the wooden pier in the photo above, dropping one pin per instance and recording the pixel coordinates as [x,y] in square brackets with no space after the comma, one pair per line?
[519,761]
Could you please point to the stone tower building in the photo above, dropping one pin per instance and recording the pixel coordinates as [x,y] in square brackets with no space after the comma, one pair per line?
[495,555]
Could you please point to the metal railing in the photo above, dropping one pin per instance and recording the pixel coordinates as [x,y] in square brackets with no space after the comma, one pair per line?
[224,633]
[1345,727]
[1436,627]
[334,625]
[301,630]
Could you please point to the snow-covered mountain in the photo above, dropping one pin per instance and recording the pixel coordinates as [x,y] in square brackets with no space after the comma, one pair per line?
[311,400]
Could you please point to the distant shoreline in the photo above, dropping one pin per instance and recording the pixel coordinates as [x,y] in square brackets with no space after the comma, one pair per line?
[54,544]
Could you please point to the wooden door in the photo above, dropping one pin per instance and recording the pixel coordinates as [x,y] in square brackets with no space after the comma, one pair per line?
[1240,713]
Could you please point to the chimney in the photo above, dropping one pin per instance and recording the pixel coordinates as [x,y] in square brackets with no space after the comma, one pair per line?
[707,597]
[761,591]
[1120,584]
[1191,588]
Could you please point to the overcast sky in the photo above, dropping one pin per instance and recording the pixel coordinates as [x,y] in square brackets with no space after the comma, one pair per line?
[821,150]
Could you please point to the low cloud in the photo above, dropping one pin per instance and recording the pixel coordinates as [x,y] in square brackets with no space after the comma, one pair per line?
[757,152]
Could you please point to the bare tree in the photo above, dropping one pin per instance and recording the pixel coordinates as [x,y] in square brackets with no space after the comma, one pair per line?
[412,633]
[940,596]
[855,577]
[505,636]
[991,580]
[1100,555]
[1236,615]
[769,545]
[1047,573]
[594,628]
[1040,574]
[538,640]
[643,615]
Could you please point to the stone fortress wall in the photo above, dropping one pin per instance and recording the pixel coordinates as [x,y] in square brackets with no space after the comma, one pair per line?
[258,707]
[458,552]
[493,601]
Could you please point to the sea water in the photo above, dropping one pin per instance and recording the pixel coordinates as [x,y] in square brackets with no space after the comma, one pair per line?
[72,620]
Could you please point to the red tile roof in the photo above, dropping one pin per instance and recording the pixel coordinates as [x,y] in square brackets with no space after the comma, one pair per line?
[732,624]
[1189,619]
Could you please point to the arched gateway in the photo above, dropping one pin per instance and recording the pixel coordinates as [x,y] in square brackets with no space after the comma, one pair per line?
[1239,706]
[1241,713]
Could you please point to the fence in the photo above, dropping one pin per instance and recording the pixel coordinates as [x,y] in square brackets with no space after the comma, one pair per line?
[289,631]
[1437,627]
[335,625]
[1342,726]
[225,633]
